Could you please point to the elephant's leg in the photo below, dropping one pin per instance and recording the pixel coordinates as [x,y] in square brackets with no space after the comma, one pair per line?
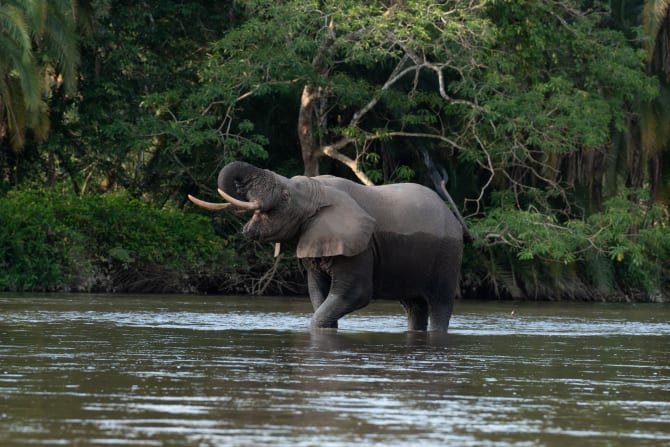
[318,286]
[441,301]
[350,289]
[443,287]
[417,313]
[440,314]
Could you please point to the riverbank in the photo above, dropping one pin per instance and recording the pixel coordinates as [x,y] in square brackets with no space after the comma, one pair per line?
[114,243]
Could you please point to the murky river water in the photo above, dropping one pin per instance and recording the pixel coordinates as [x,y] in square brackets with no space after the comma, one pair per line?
[224,371]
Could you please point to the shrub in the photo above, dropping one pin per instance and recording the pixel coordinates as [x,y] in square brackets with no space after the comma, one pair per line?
[620,253]
[110,242]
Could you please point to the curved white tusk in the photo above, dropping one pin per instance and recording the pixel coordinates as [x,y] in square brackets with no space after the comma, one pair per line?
[249,206]
[208,205]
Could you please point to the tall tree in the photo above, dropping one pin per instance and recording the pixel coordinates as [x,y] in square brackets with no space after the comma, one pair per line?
[646,137]
[554,105]
[138,68]
[655,114]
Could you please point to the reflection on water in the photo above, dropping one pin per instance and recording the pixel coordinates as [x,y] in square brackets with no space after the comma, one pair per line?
[194,371]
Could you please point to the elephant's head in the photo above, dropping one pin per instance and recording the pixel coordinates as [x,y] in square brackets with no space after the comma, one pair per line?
[322,220]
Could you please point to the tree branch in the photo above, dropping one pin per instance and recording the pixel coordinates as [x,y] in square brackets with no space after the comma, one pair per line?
[333,151]
[433,136]
[395,76]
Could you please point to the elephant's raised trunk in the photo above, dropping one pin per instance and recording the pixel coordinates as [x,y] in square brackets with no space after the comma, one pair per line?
[249,187]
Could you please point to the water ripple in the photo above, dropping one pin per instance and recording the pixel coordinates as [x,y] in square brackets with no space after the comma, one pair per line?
[196,371]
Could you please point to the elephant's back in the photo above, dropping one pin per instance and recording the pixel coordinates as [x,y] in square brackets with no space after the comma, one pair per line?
[409,208]
[402,208]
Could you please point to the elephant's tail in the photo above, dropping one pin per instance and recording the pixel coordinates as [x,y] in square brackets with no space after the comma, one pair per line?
[439,178]
[467,236]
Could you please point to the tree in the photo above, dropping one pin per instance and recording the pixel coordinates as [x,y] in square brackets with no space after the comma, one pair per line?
[366,72]
[38,53]
[655,113]
[552,102]
[641,144]
[424,45]
[138,69]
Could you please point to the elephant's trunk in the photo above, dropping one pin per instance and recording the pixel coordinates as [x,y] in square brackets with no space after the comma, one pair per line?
[247,183]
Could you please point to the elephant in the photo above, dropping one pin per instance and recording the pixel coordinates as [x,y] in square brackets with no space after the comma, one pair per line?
[397,241]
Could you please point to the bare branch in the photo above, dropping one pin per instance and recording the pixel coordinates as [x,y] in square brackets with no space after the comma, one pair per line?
[433,136]
[395,76]
[489,167]
[333,151]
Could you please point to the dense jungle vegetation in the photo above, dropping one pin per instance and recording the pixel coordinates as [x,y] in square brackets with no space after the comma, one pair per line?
[552,119]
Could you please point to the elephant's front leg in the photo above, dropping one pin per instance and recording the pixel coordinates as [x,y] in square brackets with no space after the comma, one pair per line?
[350,289]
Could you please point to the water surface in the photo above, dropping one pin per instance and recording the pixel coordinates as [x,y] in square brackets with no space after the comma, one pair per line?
[242,371]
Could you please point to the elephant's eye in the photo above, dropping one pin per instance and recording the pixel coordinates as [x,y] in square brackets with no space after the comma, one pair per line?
[238,187]
[285,196]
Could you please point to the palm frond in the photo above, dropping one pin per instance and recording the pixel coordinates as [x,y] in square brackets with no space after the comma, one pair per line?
[15,30]
[36,16]
[16,54]
[60,40]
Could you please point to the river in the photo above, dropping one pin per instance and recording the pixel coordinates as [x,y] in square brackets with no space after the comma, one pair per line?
[81,370]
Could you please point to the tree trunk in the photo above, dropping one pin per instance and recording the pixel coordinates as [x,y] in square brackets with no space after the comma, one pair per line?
[51,169]
[311,151]
[655,166]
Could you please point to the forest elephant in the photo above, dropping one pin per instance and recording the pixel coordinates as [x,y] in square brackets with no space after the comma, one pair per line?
[397,241]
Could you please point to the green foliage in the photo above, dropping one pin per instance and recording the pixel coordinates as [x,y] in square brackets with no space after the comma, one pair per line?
[50,241]
[126,129]
[620,253]
[549,94]
[359,58]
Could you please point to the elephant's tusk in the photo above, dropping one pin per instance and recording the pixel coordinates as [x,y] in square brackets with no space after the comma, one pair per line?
[249,206]
[208,205]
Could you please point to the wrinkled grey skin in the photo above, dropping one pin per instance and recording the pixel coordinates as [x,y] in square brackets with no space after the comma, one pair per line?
[358,242]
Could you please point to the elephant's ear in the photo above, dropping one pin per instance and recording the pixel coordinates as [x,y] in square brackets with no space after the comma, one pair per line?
[340,227]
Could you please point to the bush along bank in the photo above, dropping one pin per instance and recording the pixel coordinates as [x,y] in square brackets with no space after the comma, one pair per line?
[108,243]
